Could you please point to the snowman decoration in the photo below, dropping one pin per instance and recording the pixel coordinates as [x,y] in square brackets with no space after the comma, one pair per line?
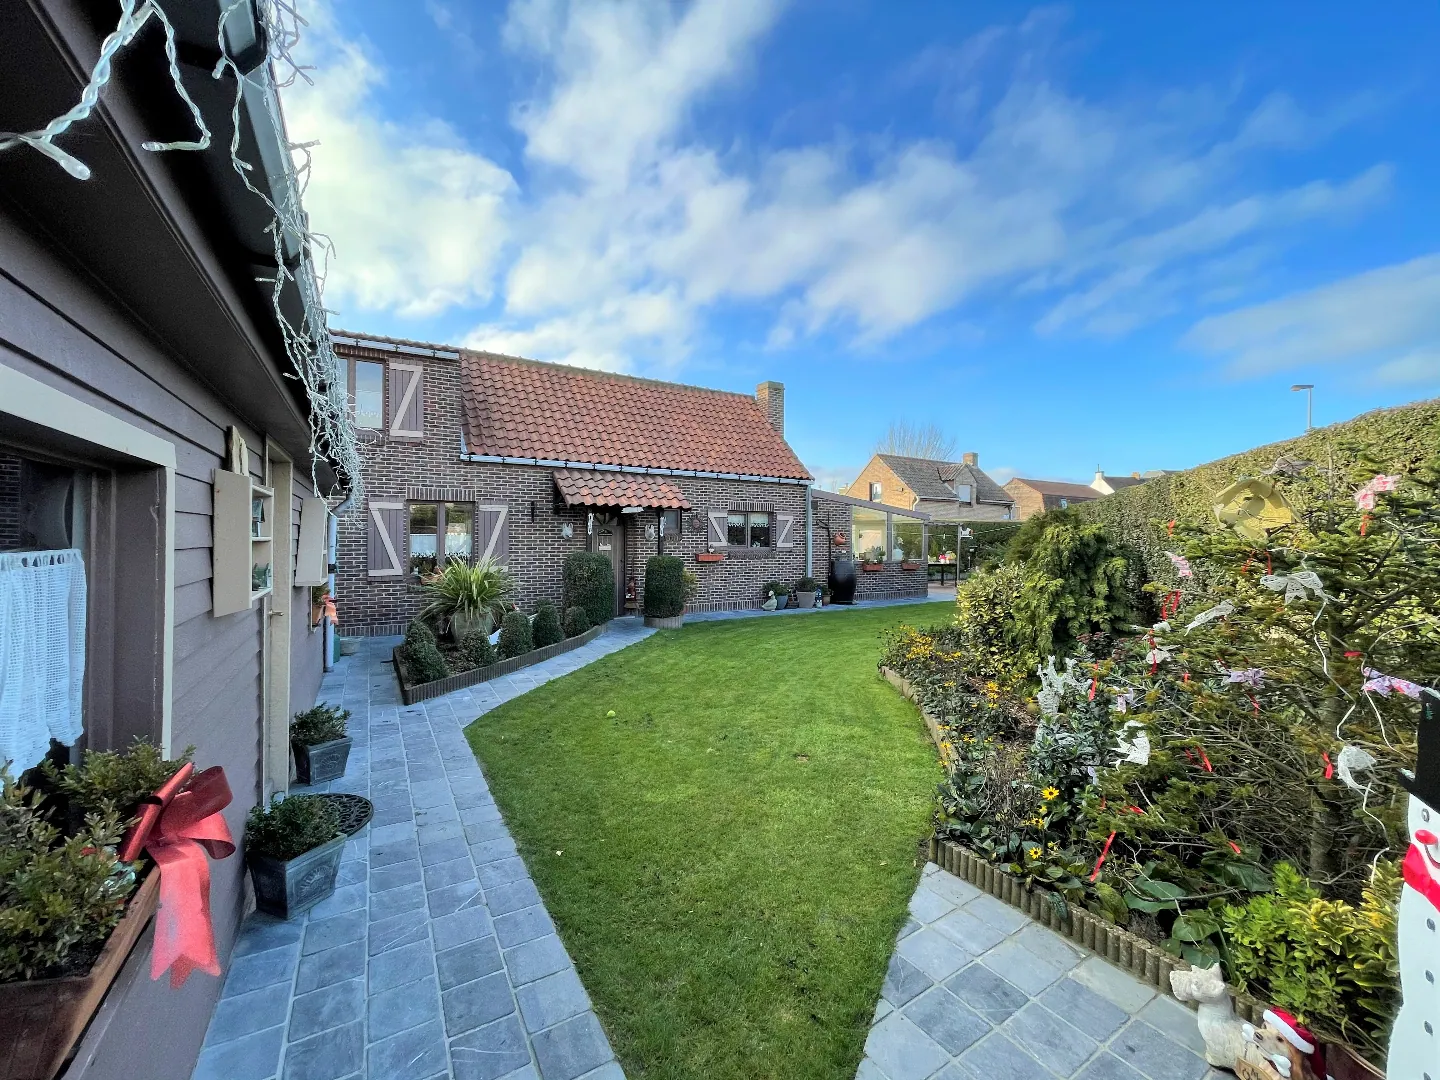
[1415,1040]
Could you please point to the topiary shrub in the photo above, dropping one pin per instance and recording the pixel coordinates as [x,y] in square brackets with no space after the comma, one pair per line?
[515,636]
[321,724]
[422,661]
[419,633]
[664,586]
[590,584]
[546,628]
[576,621]
[289,827]
[476,650]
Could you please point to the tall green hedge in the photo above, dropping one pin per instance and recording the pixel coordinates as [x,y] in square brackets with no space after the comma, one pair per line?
[664,586]
[1397,439]
[590,584]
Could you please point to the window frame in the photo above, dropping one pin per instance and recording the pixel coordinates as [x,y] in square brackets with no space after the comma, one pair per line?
[377,432]
[772,528]
[877,489]
[441,525]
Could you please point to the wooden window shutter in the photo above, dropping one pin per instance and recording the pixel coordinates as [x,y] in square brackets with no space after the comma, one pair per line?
[492,533]
[719,534]
[406,406]
[312,567]
[386,539]
[784,527]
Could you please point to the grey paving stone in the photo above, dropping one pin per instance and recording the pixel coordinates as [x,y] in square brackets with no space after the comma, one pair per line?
[438,875]
[398,930]
[399,966]
[933,953]
[940,1015]
[1059,1045]
[1021,966]
[516,927]
[493,1051]
[444,830]
[997,913]
[392,902]
[465,963]
[245,1014]
[1106,1066]
[511,896]
[1049,946]
[416,1054]
[572,1048]
[476,807]
[352,872]
[383,878]
[493,851]
[909,928]
[452,898]
[545,1002]
[995,1056]
[903,981]
[329,1055]
[1117,987]
[263,932]
[609,1071]
[883,1009]
[386,834]
[536,959]
[478,1002]
[260,969]
[902,1051]
[467,924]
[349,898]
[1084,1009]
[484,831]
[329,967]
[947,885]
[402,1007]
[971,933]
[251,1057]
[1167,1015]
[928,906]
[1155,1054]
[329,1007]
[444,851]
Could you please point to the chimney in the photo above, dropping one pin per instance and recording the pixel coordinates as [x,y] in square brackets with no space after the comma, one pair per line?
[771,396]
[971,458]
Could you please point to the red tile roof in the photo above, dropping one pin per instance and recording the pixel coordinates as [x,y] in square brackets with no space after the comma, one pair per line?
[527,409]
[586,487]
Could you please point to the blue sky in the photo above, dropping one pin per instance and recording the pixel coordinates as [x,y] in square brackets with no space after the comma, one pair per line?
[1107,233]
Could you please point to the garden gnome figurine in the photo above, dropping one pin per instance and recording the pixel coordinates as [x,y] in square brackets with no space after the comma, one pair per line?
[1415,1039]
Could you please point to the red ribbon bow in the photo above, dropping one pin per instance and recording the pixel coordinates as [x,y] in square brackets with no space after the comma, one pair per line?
[179,825]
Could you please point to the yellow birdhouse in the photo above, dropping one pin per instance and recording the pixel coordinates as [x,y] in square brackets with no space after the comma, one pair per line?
[1253,508]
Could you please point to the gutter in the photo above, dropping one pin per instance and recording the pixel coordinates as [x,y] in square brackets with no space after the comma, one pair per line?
[332,550]
[809,534]
[553,463]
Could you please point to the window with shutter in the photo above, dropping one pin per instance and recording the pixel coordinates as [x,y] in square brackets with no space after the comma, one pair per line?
[719,532]
[784,526]
[492,533]
[386,538]
[407,401]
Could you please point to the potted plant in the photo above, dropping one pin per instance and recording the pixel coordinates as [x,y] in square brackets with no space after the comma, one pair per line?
[293,848]
[805,592]
[321,746]
[824,594]
[467,596]
[780,592]
[664,591]
[710,557]
[873,559]
[910,564]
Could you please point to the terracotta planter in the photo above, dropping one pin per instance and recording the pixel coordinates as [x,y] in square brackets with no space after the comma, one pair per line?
[909,566]
[872,567]
[321,762]
[286,887]
[44,1017]
[710,556]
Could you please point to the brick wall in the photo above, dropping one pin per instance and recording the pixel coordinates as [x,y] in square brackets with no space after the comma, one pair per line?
[893,492]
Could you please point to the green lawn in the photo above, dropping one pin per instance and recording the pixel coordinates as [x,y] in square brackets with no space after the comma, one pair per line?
[729,856]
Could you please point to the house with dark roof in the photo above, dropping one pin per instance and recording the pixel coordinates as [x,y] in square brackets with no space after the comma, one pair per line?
[945,490]
[1108,485]
[1036,496]
[473,454]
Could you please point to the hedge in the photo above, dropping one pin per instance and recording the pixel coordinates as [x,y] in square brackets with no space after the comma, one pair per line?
[664,586]
[590,584]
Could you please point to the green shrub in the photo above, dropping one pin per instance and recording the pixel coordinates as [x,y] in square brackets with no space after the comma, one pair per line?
[476,650]
[546,629]
[983,605]
[805,584]
[419,633]
[471,589]
[423,662]
[576,621]
[1330,963]
[664,586]
[590,584]
[321,724]
[289,827]
[515,637]
[1073,585]
[59,896]
[779,588]
[115,781]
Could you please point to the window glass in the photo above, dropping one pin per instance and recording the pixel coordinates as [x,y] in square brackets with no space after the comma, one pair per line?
[735,531]
[867,535]
[423,530]
[963,492]
[759,530]
[369,395]
[459,531]
[944,542]
[874,492]
[910,539]
[670,521]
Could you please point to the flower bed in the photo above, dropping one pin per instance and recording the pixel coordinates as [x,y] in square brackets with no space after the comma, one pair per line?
[410,693]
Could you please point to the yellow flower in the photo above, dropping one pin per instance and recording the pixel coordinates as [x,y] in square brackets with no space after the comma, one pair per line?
[1050,793]
[1034,853]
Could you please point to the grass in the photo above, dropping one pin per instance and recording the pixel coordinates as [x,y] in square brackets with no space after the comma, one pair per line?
[723,821]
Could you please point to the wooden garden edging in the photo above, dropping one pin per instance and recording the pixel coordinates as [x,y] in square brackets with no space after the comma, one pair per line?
[425,691]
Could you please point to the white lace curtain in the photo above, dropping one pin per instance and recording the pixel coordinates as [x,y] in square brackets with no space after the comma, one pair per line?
[42,653]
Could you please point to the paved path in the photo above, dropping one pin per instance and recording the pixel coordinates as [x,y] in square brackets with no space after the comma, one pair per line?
[978,991]
[435,956]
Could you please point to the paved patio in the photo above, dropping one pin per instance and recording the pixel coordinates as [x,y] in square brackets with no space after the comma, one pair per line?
[435,956]
[979,991]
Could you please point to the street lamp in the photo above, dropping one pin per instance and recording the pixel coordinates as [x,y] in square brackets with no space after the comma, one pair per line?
[1309,389]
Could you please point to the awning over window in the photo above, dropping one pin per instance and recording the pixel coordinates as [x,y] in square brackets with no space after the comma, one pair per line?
[586,487]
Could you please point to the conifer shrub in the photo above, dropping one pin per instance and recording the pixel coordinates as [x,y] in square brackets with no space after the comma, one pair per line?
[320,724]
[291,826]
[476,650]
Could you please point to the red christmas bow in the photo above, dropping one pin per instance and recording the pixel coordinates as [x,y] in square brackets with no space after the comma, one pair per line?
[179,825]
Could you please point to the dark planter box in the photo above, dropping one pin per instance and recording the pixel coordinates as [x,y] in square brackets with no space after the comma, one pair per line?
[410,693]
[286,887]
[321,762]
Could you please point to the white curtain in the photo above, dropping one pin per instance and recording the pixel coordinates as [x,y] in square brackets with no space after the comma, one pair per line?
[42,653]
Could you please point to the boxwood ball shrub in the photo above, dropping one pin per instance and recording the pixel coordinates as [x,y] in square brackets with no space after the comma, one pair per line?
[515,636]
[590,584]
[576,621]
[418,632]
[664,586]
[291,826]
[546,628]
[476,650]
[420,656]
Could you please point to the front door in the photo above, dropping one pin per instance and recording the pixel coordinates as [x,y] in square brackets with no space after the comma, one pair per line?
[610,542]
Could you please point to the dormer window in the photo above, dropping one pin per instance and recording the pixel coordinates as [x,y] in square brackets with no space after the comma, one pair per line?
[965,493]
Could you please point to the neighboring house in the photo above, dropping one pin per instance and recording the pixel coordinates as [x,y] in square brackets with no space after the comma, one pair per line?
[1036,496]
[140,358]
[1108,485]
[527,462]
[945,490]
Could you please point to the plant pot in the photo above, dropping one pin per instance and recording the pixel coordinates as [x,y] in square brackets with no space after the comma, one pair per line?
[781,602]
[44,1017]
[710,556]
[872,567]
[286,887]
[804,599]
[909,566]
[349,646]
[463,622]
[662,622]
[321,762]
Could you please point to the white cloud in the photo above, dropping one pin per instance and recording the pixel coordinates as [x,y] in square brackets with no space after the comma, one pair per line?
[1384,322]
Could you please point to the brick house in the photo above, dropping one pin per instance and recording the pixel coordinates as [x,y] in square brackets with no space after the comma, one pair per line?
[945,490]
[527,462]
[1036,496]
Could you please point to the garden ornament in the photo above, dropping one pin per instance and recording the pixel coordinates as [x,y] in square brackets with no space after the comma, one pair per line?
[1053,684]
[1294,585]
[1378,683]
[1349,761]
[1219,611]
[1219,1026]
[1252,508]
[1365,497]
[1250,676]
[1181,564]
[1287,466]
[1134,748]
[1281,1049]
